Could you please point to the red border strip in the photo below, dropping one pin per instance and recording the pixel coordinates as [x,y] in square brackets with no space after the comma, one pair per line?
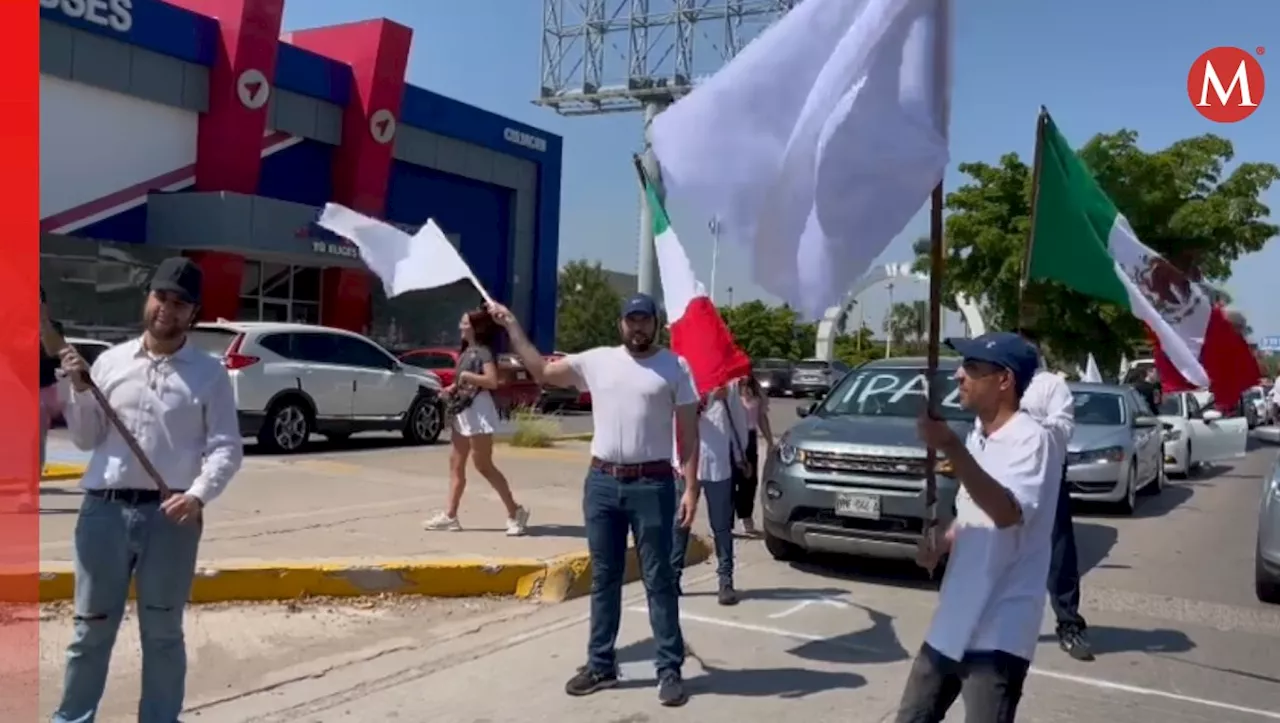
[136,191]
[19,317]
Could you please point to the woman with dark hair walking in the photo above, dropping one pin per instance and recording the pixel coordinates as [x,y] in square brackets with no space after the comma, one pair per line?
[473,420]
[756,404]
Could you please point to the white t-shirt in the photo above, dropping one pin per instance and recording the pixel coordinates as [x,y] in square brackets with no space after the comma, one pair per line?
[993,595]
[1049,401]
[717,447]
[633,401]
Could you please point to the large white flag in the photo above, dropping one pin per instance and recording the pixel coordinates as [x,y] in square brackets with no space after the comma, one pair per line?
[817,144]
[425,260]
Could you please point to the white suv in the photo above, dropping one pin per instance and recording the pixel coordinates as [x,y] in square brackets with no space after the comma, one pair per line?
[293,380]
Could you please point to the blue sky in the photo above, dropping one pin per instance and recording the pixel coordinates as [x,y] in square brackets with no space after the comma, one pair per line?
[1097,65]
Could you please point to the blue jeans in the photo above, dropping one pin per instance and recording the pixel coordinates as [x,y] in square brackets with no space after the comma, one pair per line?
[646,507]
[116,543]
[719,497]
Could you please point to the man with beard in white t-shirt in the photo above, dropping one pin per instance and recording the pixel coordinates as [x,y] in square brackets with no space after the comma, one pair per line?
[638,391]
[987,623]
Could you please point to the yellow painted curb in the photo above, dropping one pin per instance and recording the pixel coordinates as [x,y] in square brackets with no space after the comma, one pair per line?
[569,576]
[552,580]
[60,471]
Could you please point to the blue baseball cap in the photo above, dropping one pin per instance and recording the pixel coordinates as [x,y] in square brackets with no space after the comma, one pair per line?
[640,304]
[1002,349]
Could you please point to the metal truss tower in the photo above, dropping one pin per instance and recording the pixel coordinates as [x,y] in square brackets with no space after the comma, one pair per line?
[611,56]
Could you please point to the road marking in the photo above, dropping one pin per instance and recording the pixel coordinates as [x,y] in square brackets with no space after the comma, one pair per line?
[1066,677]
[828,601]
[1154,693]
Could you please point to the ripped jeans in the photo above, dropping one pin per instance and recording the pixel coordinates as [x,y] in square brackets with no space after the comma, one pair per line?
[115,543]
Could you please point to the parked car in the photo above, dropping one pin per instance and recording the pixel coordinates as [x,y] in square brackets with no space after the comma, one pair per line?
[1115,451]
[849,477]
[557,398]
[773,375]
[815,377]
[516,387]
[1198,433]
[295,380]
[1267,554]
[1256,407]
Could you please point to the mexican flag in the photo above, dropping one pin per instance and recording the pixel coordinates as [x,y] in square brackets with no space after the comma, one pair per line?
[1080,240]
[697,332]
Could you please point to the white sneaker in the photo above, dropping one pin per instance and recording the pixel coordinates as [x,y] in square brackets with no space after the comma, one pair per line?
[442,523]
[516,526]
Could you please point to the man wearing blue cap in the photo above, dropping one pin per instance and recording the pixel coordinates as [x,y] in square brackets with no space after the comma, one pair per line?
[638,391]
[987,623]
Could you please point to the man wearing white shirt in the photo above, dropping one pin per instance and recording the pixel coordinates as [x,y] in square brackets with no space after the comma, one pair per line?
[178,403]
[987,623]
[1049,401]
[722,427]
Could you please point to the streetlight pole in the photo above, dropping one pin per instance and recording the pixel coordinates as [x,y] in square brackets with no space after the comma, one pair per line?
[888,326]
[714,226]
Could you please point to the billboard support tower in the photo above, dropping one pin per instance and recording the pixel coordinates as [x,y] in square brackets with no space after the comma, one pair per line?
[670,45]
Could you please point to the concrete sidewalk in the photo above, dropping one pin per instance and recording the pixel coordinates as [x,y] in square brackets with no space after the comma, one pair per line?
[349,523]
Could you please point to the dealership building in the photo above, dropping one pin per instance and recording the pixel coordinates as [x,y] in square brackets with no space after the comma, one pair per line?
[200,128]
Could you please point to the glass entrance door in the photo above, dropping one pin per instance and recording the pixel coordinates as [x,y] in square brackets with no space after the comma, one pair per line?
[272,291]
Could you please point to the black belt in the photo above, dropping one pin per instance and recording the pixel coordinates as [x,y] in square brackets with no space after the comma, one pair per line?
[127,495]
[635,470]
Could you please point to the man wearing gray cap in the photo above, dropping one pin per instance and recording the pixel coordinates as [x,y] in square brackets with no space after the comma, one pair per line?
[987,622]
[177,401]
[638,390]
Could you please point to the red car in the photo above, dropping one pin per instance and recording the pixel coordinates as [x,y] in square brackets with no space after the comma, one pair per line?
[515,387]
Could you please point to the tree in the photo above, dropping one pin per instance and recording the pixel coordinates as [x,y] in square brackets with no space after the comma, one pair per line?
[587,308]
[765,331]
[907,319]
[1178,199]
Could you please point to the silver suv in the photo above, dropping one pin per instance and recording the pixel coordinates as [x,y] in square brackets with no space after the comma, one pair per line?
[849,478]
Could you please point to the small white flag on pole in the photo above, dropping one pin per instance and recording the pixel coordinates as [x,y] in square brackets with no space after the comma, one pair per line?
[818,143]
[404,263]
[1091,372]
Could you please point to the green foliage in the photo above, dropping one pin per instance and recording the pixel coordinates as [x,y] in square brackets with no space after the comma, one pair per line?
[533,429]
[1178,199]
[769,332]
[587,308]
[907,320]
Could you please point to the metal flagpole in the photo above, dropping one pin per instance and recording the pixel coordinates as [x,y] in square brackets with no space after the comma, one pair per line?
[714,226]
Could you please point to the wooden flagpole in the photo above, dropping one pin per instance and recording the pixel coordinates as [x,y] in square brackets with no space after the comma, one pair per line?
[936,269]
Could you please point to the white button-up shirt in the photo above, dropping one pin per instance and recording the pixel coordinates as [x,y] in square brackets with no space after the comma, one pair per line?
[180,408]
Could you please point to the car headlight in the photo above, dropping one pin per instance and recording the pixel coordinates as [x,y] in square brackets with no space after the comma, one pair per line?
[1091,456]
[787,453]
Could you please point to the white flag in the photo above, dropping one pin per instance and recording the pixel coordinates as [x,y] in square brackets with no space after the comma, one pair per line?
[818,143]
[425,260]
[1091,372]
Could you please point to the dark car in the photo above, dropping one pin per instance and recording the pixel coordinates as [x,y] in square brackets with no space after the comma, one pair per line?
[815,377]
[773,375]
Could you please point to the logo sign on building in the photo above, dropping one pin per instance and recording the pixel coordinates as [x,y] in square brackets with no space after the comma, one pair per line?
[335,248]
[253,89]
[528,140]
[382,126]
[1226,84]
[116,15]
[1269,343]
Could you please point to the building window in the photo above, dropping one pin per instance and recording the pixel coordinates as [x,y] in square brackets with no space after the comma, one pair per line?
[272,291]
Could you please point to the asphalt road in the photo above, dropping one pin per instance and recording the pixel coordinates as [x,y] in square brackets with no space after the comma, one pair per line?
[1168,593]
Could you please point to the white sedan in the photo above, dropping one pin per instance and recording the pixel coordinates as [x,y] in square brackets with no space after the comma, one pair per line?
[1197,433]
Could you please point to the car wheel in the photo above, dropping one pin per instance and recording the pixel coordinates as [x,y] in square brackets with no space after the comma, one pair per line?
[287,428]
[1130,502]
[425,421]
[1156,486]
[1266,587]
[780,549]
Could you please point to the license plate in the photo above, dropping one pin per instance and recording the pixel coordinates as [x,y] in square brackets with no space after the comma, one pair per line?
[522,375]
[850,505]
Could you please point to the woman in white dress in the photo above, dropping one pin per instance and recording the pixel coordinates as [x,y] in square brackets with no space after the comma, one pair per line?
[474,419]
